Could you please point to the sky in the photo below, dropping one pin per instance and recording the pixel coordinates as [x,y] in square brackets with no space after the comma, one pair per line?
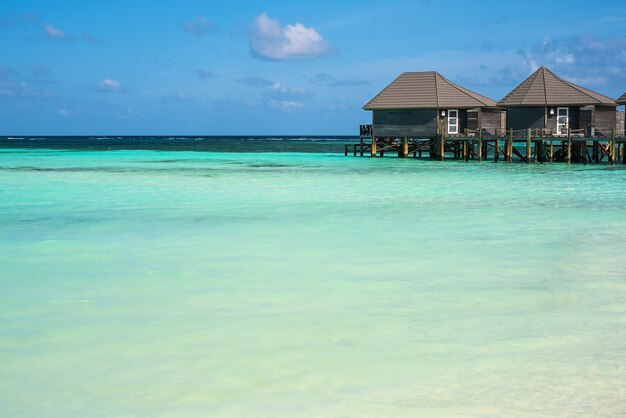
[139,67]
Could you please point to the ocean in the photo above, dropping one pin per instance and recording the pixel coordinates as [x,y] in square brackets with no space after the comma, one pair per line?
[274,277]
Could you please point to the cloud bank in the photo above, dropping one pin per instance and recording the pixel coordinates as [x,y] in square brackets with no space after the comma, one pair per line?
[269,40]
[585,59]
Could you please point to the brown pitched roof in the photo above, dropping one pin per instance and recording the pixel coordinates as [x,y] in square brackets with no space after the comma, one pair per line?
[544,88]
[622,99]
[426,90]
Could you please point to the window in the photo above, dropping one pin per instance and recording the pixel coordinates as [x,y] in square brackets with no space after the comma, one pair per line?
[453,121]
[562,120]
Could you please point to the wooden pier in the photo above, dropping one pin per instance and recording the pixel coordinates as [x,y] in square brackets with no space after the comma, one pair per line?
[527,146]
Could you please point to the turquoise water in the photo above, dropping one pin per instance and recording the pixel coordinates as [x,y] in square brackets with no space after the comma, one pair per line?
[185,284]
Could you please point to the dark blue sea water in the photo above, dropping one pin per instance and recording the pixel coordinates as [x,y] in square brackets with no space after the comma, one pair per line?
[305,144]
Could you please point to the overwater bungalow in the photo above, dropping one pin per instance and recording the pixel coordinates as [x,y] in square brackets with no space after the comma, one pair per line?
[546,101]
[417,104]
[544,119]
[621,119]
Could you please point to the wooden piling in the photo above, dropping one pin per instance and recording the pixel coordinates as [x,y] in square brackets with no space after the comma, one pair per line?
[464,152]
[361,146]
[496,150]
[612,147]
[373,149]
[404,149]
[442,145]
[506,147]
[528,136]
[551,150]
[480,145]
[569,146]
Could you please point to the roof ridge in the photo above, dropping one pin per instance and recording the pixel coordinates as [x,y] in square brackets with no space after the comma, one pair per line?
[587,92]
[519,86]
[532,83]
[383,90]
[465,91]
[545,88]
[579,88]
[435,74]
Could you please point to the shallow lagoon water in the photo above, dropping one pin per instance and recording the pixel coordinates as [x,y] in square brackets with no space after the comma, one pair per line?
[165,284]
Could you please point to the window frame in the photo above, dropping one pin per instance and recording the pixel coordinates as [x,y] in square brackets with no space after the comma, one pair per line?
[559,129]
[456,125]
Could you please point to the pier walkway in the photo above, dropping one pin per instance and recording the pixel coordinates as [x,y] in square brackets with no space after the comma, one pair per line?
[528,146]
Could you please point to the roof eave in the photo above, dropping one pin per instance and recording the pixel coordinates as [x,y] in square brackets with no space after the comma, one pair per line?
[501,104]
[431,107]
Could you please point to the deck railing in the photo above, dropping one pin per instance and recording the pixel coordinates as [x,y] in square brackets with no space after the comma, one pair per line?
[528,145]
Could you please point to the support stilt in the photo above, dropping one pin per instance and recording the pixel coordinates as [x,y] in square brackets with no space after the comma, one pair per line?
[496,150]
[551,150]
[528,135]
[569,146]
[373,149]
[442,145]
[480,145]
[404,149]
[612,147]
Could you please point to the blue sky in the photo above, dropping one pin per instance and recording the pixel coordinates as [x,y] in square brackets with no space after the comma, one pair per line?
[280,67]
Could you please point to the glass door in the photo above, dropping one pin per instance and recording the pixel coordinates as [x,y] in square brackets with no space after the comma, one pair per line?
[453,121]
[562,120]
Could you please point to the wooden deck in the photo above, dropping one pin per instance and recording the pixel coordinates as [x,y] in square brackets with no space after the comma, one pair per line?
[528,146]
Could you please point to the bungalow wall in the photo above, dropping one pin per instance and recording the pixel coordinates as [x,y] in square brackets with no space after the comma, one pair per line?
[488,119]
[415,123]
[423,123]
[587,116]
[538,117]
[602,118]
[605,120]
[525,117]
[620,122]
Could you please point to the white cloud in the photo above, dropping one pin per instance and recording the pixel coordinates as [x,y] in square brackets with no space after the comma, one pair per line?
[53,32]
[286,105]
[270,40]
[565,59]
[584,59]
[109,86]
[282,88]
